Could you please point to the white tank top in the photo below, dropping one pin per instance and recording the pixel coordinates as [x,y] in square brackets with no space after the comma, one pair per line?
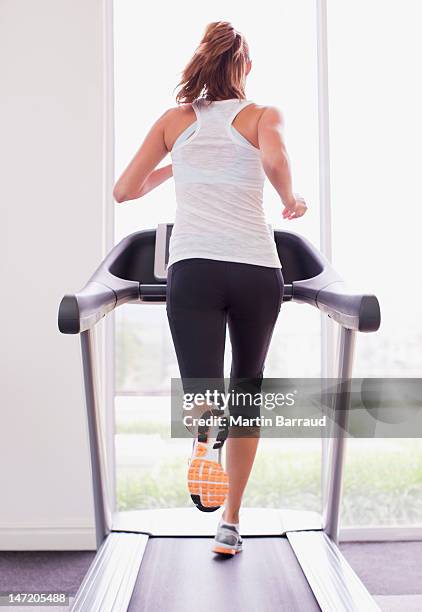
[219,183]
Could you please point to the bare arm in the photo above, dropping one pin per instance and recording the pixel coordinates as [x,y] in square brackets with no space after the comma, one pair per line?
[158,176]
[276,163]
[140,177]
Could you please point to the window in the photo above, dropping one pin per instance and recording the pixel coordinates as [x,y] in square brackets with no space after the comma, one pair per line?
[374,51]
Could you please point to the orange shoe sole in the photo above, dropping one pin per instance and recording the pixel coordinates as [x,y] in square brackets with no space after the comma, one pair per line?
[226,551]
[208,480]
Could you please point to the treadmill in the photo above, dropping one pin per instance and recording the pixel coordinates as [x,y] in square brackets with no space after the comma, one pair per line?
[161,559]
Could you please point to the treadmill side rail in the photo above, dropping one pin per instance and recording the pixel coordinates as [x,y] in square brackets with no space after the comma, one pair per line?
[334,583]
[109,583]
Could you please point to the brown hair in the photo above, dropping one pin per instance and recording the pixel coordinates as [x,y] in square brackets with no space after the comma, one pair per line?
[217,69]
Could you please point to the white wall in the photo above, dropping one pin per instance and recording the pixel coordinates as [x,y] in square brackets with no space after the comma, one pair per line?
[53,237]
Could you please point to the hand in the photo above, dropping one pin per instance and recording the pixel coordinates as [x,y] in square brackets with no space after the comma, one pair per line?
[296,210]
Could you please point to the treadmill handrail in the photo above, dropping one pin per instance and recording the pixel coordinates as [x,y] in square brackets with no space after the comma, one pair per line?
[352,310]
[326,291]
[102,293]
[348,307]
[80,311]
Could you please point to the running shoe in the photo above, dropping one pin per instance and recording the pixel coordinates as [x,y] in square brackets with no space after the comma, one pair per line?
[208,483]
[227,540]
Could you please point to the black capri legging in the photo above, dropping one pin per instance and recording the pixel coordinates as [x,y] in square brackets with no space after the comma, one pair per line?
[206,295]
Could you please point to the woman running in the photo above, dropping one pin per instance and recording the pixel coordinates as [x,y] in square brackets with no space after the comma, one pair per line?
[223,269]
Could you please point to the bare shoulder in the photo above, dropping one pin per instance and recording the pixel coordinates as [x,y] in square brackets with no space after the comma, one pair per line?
[177,114]
[175,120]
[265,116]
[271,116]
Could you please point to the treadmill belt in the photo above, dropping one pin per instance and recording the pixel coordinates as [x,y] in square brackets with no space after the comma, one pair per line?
[183,575]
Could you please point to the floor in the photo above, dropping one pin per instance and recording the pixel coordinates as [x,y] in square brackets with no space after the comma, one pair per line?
[392,572]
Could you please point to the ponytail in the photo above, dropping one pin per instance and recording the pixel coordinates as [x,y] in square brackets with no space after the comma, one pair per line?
[217,70]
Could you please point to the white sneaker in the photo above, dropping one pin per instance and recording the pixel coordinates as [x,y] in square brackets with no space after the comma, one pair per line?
[227,540]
